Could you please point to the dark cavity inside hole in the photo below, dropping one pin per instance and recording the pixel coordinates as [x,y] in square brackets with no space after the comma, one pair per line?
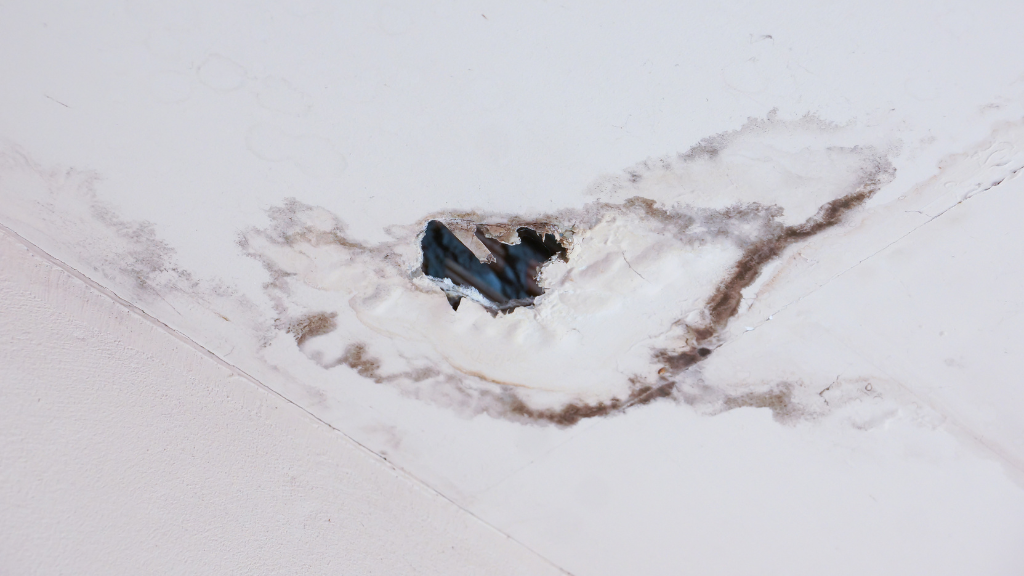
[507,279]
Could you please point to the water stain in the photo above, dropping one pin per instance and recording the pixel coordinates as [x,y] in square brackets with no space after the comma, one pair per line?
[312,325]
[469,251]
[130,254]
[779,401]
[719,308]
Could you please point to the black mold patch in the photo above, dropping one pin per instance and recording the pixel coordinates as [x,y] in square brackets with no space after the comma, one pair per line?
[507,280]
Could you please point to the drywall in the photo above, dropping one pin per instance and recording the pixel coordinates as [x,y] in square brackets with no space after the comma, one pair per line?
[783,339]
[123,450]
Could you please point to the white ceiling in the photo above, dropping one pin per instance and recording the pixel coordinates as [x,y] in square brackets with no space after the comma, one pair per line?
[182,155]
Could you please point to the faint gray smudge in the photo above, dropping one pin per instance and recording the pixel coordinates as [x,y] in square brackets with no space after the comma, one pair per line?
[127,253]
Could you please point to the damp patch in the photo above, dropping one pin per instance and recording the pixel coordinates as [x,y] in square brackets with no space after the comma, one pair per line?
[612,303]
[503,281]
[664,262]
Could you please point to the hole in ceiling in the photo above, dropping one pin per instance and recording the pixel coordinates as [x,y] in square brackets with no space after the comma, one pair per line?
[505,281]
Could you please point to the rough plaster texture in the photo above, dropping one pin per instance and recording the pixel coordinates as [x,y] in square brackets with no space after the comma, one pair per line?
[125,451]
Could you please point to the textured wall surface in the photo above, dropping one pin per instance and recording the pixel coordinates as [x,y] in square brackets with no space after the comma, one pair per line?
[125,451]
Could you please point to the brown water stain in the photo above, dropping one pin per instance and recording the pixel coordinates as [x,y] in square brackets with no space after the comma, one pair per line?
[312,325]
[753,227]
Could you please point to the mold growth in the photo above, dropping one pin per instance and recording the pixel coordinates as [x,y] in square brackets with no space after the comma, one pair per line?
[638,288]
[505,280]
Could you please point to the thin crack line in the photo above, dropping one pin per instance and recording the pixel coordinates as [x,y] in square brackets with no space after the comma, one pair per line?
[633,269]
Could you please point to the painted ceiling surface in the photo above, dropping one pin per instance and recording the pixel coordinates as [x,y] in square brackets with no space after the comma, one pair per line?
[786,326]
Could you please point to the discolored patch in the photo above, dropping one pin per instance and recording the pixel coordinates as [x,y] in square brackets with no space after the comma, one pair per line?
[779,401]
[312,325]
[628,296]
[356,358]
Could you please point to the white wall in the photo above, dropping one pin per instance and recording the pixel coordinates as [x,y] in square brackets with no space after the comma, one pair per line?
[125,450]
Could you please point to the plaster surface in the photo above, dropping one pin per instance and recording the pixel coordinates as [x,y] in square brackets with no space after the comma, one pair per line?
[124,450]
[785,339]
